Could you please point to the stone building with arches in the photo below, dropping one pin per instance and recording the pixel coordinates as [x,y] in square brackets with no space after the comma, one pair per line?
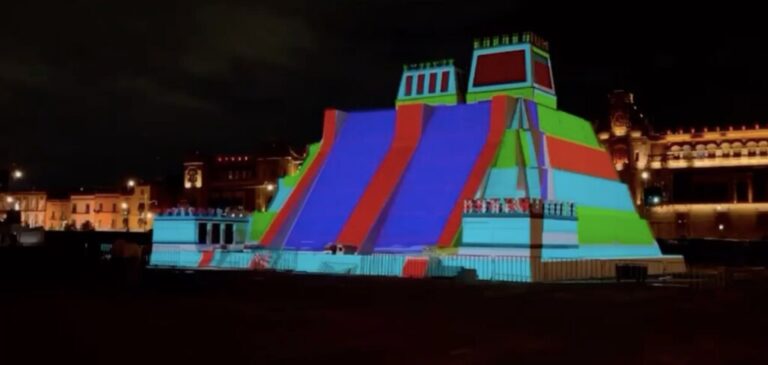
[706,182]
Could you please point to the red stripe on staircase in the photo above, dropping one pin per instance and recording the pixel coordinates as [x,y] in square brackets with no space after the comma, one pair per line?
[501,109]
[408,127]
[330,130]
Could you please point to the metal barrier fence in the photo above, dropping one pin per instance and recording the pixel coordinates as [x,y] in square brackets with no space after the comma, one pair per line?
[490,268]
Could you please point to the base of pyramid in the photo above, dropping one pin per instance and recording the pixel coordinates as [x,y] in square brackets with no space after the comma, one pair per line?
[501,264]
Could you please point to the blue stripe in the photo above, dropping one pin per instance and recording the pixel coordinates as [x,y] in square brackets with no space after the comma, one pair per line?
[363,142]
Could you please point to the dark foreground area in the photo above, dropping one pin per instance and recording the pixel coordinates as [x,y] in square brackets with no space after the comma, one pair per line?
[100,314]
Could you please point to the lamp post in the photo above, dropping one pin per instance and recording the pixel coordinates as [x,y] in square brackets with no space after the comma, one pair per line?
[644,176]
[125,214]
[146,214]
[16,175]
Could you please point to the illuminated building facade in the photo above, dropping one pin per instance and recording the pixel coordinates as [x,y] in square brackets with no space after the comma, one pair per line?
[695,183]
[57,214]
[30,204]
[246,181]
[131,210]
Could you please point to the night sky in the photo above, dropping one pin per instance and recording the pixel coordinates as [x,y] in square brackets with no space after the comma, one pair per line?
[93,92]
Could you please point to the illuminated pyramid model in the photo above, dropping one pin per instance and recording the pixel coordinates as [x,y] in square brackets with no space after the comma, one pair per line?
[400,180]
[498,171]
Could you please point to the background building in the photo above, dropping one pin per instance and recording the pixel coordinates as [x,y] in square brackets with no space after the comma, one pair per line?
[246,180]
[695,183]
[131,209]
[30,204]
[57,213]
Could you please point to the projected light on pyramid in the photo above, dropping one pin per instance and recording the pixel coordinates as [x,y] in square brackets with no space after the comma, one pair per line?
[492,170]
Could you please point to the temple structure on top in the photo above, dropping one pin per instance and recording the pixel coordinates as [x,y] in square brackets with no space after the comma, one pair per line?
[433,83]
[515,65]
[493,174]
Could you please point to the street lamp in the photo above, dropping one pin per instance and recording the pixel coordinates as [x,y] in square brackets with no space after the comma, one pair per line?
[270,187]
[9,199]
[131,183]
[645,175]
[18,174]
[124,205]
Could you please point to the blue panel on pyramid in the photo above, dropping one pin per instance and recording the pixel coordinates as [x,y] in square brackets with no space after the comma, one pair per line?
[496,231]
[432,183]
[591,191]
[363,142]
[595,251]
[502,183]
[282,195]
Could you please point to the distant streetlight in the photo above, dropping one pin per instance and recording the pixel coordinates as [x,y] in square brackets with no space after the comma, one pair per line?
[270,187]
[124,205]
[149,215]
[9,199]
[645,175]
[18,174]
[721,226]
[131,183]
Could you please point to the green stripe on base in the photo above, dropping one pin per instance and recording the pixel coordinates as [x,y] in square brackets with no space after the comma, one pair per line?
[451,99]
[600,225]
[259,223]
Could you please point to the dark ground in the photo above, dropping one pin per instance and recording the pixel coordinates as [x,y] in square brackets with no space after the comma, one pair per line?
[169,317]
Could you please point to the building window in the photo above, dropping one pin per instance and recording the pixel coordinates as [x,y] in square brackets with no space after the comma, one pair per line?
[114,207]
[444,81]
[112,225]
[202,233]
[432,82]
[215,233]
[229,234]
[74,207]
[87,208]
[101,207]
[141,192]
[408,85]
[420,84]
[53,214]
[742,192]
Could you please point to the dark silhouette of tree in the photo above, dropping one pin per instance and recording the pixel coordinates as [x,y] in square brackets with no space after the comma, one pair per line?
[87,226]
[70,226]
